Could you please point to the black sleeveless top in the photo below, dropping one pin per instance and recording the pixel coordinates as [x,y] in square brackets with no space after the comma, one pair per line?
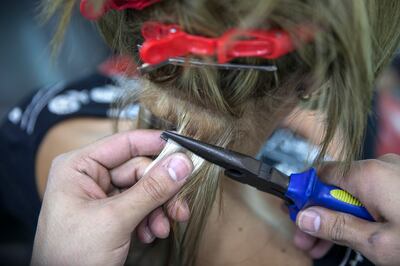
[24,128]
[26,125]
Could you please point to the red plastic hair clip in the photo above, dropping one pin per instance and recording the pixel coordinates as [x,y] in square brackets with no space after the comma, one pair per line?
[163,42]
[89,11]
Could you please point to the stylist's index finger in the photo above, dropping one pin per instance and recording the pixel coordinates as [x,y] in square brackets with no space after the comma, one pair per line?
[119,148]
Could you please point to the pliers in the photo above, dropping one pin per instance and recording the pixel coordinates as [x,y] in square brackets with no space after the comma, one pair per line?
[299,190]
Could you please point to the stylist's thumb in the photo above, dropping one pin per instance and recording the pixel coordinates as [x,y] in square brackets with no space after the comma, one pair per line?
[341,228]
[157,186]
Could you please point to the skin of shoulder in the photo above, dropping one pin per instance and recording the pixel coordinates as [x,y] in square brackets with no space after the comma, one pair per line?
[66,136]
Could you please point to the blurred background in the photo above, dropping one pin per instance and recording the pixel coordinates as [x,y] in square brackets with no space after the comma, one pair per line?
[26,65]
[25,51]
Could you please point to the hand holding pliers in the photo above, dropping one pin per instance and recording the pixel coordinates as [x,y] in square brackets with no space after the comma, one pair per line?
[299,190]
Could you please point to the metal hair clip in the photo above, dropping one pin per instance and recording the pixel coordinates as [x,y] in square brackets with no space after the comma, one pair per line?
[181,61]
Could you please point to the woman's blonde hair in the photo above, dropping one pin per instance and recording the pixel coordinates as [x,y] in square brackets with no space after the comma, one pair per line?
[353,41]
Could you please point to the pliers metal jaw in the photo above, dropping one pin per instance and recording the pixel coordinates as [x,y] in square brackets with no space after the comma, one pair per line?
[299,190]
[240,167]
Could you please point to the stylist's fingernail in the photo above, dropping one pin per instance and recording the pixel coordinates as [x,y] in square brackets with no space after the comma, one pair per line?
[178,168]
[309,221]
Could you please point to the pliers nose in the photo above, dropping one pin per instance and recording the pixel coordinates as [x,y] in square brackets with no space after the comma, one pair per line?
[240,167]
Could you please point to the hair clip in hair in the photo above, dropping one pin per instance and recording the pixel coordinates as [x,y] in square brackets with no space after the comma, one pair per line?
[164,42]
[92,12]
[182,61]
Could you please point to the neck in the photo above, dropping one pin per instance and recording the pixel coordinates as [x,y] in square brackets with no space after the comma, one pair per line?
[239,213]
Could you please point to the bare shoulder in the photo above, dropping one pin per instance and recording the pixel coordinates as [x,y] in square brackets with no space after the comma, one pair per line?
[66,136]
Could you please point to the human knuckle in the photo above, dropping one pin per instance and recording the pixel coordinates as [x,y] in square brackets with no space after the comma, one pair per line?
[381,240]
[382,256]
[59,159]
[60,162]
[85,165]
[140,163]
[81,164]
[173,207]
[72,158]
[390,156]
[141,160]
[154,188]
[336,231]
[171,204]
[381,245]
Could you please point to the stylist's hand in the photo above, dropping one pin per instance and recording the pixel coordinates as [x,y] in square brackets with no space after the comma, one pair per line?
[87,219]
[376,183]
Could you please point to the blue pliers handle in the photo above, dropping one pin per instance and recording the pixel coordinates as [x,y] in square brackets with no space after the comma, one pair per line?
[306,190]
[301,190]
